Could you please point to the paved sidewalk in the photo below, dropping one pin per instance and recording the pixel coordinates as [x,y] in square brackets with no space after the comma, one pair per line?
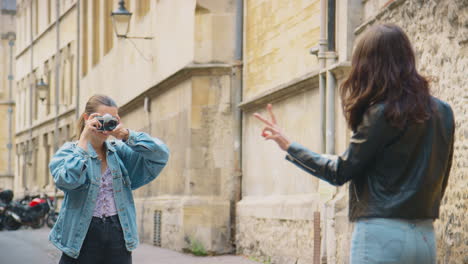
[32,246]
[147,254]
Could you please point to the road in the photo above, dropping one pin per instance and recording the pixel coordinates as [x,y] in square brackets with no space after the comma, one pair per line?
[26,246]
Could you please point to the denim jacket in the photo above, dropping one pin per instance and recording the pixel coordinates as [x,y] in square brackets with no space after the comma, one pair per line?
[77,172]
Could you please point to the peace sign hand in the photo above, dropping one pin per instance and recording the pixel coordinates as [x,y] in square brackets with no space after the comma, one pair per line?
[272,131]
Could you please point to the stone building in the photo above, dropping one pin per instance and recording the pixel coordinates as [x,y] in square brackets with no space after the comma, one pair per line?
[46,49]
[175,80]
[178,86]
[7,104]
[194,76]
[278,214]
[296,53]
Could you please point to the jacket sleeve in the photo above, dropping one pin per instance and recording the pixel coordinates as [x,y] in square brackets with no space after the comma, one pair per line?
[369,138]
[144,157]
[450,154]
[68,167]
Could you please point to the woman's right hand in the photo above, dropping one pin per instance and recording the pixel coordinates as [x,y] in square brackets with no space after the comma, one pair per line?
[90,128]
[272,131]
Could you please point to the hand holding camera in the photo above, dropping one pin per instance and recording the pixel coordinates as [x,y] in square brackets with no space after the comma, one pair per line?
[108,122]
[106,125]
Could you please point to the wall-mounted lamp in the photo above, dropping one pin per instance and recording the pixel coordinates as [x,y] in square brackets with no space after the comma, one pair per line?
[42,89]
[121,20]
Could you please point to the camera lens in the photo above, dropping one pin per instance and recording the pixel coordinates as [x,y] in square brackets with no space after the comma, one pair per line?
[111,125]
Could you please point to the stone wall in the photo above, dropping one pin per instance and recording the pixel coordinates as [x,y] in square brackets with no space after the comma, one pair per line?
[278,35]
[291,240]
[193,116]
[275,216]
[439,33]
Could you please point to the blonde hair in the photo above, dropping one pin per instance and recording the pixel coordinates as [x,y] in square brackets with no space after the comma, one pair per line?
[91,106]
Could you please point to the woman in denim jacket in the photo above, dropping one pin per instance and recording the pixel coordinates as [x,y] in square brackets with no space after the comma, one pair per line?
[97,221]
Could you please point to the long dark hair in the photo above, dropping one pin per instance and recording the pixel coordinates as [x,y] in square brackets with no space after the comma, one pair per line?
[384,71]
[91,107]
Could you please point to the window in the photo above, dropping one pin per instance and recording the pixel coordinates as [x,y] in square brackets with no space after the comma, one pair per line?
[84,39]
[96,31]
[36,17]
[52,81]
[71,80]
[47,79]
[49,11]
[143,6]
[35,96]
[109,31]
[63,77]
[47,159]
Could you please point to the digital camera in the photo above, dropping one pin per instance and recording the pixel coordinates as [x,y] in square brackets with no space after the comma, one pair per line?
[108,122]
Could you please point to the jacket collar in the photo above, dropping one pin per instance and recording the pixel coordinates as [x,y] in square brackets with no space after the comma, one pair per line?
[92,152]
[110,145]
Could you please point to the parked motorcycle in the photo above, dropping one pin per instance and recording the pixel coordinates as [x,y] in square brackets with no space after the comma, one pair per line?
[52,215]
[33,214]
[5,199]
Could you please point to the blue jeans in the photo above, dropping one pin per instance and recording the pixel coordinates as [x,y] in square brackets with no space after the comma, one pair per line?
[389,241]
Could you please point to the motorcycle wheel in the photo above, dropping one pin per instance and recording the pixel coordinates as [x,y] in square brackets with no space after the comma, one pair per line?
[51,219]
[38,223]
[10,223]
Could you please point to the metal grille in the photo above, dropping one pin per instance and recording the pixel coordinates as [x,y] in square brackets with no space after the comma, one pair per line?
[157,228]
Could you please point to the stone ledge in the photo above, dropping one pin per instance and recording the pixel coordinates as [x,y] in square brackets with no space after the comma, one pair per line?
[294,87]
[190,70]
[40,123]
[288,207]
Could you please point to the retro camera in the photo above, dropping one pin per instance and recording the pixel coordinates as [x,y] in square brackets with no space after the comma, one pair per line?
[108,122]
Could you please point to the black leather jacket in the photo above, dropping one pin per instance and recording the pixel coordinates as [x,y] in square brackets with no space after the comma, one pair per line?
[394,173]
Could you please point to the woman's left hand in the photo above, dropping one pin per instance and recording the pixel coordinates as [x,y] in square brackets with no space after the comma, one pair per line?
[120,132]
[272,131]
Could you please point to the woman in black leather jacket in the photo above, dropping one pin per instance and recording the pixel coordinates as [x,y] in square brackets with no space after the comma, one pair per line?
[399,156]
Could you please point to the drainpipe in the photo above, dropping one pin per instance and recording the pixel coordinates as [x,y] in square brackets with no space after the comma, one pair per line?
[11,43]
[322,78]
[77,92]
[57,71]
[327,85]
[320,242]
[320,52]
[57,83]
[331,81]
[331,87]
[236,92]
[29,145]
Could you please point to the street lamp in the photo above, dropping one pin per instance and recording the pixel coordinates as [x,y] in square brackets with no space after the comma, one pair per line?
[121,20]
[42,89]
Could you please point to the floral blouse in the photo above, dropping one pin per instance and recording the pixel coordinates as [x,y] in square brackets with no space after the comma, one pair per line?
[105,204]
